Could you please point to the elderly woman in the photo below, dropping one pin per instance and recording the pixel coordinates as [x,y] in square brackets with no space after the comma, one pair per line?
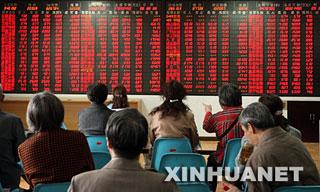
[53,154]
[173,118]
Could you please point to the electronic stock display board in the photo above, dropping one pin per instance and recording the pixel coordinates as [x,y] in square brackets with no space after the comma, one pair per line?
[63,46]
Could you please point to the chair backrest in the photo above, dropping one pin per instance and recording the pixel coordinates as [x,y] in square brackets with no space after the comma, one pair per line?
[193,187]
[188,160]
[1,189]
[52,187]
[100,159]
[231,152]
[162,146]
[309,188]
[97,143]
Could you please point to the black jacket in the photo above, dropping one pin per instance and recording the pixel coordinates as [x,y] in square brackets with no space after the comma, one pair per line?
[93,120]
[11,136]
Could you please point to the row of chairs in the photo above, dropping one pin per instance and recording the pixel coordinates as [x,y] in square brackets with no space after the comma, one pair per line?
[177,153]
[168,152]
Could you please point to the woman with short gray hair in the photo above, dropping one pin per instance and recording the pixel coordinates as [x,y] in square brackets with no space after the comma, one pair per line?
[52,154]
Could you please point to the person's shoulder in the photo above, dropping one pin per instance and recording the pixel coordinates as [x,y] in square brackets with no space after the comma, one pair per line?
[269,152]
[231,110]
[84,111]
[85,180]
[99,108]
[220,113]
[72,133]
[294,131]
[154,176]
[159,179]
[87,175]
[265,149]
[10,116]
[30,142]
[71,137]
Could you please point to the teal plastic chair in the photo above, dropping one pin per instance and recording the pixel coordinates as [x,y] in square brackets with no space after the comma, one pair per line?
[97,143]
[231,152]
[52,187]
[305,188]
[100,159]
[162,146]
[1,189]
[193,187]
[180,160]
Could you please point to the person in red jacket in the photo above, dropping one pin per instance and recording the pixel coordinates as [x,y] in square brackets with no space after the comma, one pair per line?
[224,123]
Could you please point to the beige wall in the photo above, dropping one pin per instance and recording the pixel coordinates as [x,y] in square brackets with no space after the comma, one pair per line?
[146,103]
[18,106]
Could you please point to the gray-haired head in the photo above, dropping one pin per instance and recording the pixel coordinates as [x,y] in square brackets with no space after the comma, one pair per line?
[257,115]
[45,111]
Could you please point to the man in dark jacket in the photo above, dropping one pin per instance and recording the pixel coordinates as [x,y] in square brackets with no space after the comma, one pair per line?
[93,120]
[11,135]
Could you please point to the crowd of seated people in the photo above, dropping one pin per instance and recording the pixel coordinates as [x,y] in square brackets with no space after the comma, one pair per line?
[54,155]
